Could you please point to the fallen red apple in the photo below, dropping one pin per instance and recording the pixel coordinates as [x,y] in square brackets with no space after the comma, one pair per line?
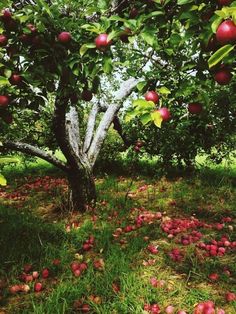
[45,273]
[152,96]
[230,296]
[102,42]
[77,273]
[24,288]
[195,108]
[87,246]
[213,276]
[152,249]
[14,289]
[85,308]
[56,262]
[226,32]
[83,266]
[223,77]
[169,309]
[27,268]
[38,287]
[165,113]
[64,37]
[74,266]
[35,274]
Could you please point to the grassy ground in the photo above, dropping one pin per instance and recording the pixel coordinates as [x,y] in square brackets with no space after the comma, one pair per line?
[123,274]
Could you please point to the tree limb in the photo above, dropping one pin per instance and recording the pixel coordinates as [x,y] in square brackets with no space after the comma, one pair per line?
[90,127]
[118,127]
[72,127]
[124,91]
[34,151]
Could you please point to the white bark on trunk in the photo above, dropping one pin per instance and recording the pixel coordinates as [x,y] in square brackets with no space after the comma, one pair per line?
[72,128]
[90,127]
[124,91]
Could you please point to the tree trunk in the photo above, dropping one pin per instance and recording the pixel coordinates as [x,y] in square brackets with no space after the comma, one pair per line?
[82,191]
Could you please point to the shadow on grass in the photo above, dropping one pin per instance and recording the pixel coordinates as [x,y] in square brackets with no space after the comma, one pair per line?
[25,238]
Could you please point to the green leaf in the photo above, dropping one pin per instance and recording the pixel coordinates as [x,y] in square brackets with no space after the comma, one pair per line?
[215,24]
[130,115]
[149,36]
[4,81]
[146,118]
[219,55]
[8,160]
[157,118]
[85,47]
[221,13]
[45,6]
[164,90]
[114,34]
[107,66]
[182,2]
[142,104]
[93,28]
[141,85]
[3,181]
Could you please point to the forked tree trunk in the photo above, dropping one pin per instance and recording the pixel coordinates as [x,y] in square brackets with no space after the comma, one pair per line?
[82,191]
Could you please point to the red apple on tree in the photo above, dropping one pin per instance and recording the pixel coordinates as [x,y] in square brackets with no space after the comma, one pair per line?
[165,113]
[133,13]
[223,76]
[25,38]
[15,79]
[195,108]
[6,15]
[64,37]
[4,101]
[226,32]
[7,117]
[86,95]
[32,28]
[152,96]
[224,2]
[3,40]
[102,42]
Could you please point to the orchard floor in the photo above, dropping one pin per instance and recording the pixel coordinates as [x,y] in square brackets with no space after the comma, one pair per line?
[146,244]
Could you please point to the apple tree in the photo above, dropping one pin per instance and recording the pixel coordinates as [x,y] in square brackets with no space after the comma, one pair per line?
[68,67]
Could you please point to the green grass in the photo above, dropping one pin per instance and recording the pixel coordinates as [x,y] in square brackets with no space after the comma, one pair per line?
[34,231]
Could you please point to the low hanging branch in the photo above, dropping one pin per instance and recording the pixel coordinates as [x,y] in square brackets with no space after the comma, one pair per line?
[34,151]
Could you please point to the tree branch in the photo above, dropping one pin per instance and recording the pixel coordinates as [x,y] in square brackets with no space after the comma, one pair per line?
[124,91]
[90,127]
[72,128]
[118,127]
[34,151]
